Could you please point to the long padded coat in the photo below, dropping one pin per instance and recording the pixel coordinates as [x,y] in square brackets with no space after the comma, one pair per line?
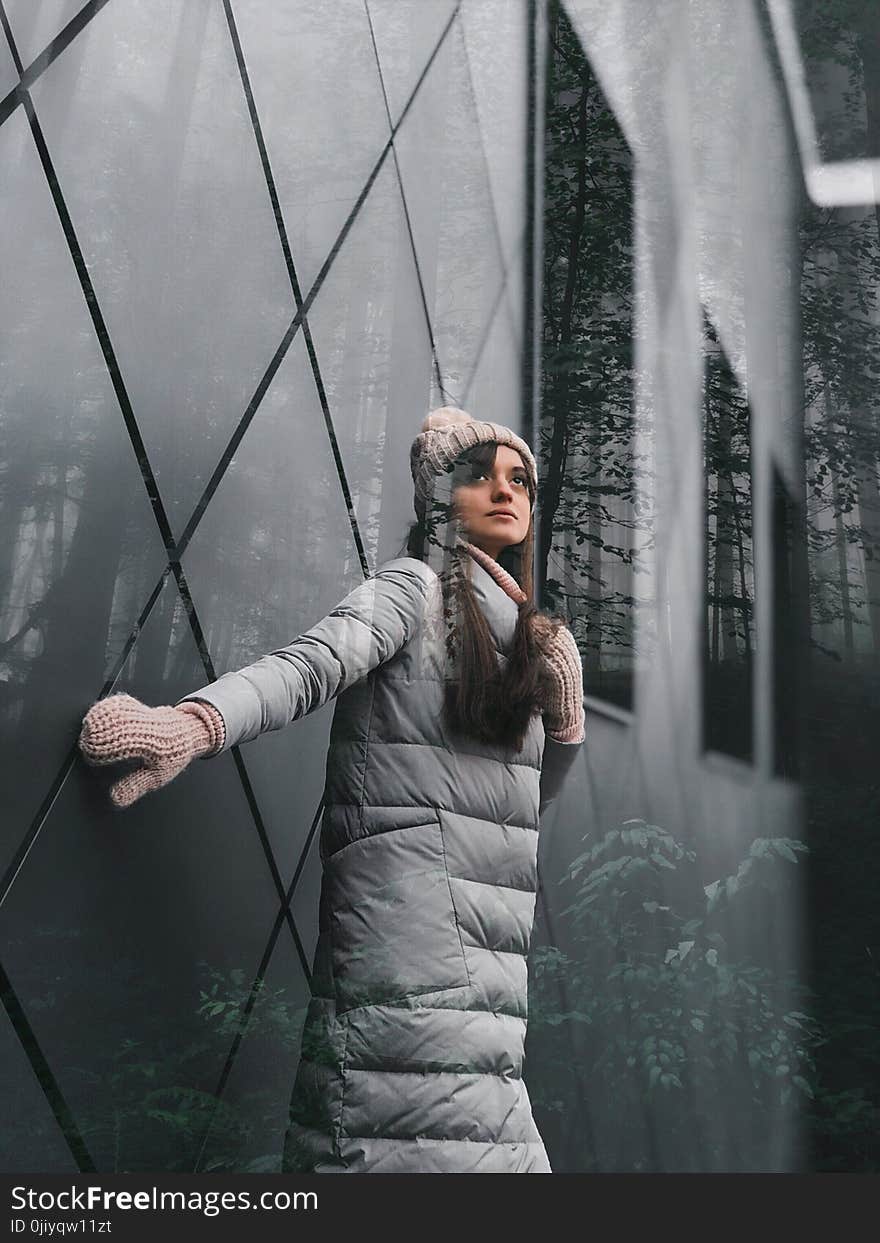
[412,1050]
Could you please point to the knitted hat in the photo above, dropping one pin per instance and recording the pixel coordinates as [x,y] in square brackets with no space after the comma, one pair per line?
[448,432]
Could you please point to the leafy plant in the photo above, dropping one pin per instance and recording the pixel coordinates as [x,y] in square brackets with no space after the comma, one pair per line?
[680,1048]
[156,1102]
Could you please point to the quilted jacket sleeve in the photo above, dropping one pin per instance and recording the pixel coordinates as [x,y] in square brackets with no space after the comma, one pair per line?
[360,633]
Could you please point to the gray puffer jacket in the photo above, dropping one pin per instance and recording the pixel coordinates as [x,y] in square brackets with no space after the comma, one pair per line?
[412,1050]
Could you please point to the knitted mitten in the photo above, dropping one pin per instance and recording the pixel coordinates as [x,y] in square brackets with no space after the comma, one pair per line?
[564,683]
[164,739]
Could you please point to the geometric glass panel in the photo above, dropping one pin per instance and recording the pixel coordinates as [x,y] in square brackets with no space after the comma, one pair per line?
[35,23]
[406,33]
[247,1126]
[495,36]
[313,72]
[8,71]
[374,354]
[455,232]
[149,132]
[30,1138]
[80,550]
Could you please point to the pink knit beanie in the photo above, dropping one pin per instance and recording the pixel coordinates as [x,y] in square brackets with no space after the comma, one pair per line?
[448,432]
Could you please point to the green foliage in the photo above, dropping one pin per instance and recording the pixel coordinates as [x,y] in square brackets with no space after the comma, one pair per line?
[155,1102]
[652,1018]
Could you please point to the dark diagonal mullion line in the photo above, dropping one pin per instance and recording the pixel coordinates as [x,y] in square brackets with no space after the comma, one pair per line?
[147,476]
[45,1078]
[55,48]
[244,1020]
[284,913]
[412,243]
[277,360]
[127,413]
[294,281]
[335,450]
[13,49]
[158,511]
[300,318]
[101,332]
[36,825]
[173,550]
[42,62]
[41,1067]
[496,232]
[22,1028]
[291,888]
[261,147]
[494,312]
[341,473]
[207,662]
[61,776]
[301,313]
[137,441]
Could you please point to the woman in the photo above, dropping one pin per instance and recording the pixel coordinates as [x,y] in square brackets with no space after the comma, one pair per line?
[460,708]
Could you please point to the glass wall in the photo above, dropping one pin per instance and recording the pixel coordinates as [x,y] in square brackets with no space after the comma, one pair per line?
[672,1025]
[707,998]
[245,248]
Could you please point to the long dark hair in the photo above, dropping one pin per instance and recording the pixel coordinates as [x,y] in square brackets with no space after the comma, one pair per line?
[485,699]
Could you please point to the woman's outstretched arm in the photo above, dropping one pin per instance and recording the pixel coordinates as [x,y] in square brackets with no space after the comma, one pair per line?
[360,633]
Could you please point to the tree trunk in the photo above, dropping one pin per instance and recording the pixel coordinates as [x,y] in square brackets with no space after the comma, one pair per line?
[745,598]
[869,520]
[552,491]
[594,585]
[724,532]
[842,566]
[78,605]
[866,480]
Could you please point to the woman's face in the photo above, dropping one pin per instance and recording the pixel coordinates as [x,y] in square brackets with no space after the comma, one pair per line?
[494,507]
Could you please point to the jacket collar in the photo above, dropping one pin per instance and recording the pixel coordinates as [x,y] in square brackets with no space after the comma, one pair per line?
[499,608]
[505,581]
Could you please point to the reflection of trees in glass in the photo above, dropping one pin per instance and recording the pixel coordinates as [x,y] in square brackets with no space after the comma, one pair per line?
[593,527]
[840,281]
[664,1010]
[840,302]
[729,563]
[71,543]
[143,1094]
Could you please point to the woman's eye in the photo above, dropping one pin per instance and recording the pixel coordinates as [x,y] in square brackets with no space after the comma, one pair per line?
[481,474]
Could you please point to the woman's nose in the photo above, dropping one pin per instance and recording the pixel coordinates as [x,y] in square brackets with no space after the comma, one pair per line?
[502,488]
